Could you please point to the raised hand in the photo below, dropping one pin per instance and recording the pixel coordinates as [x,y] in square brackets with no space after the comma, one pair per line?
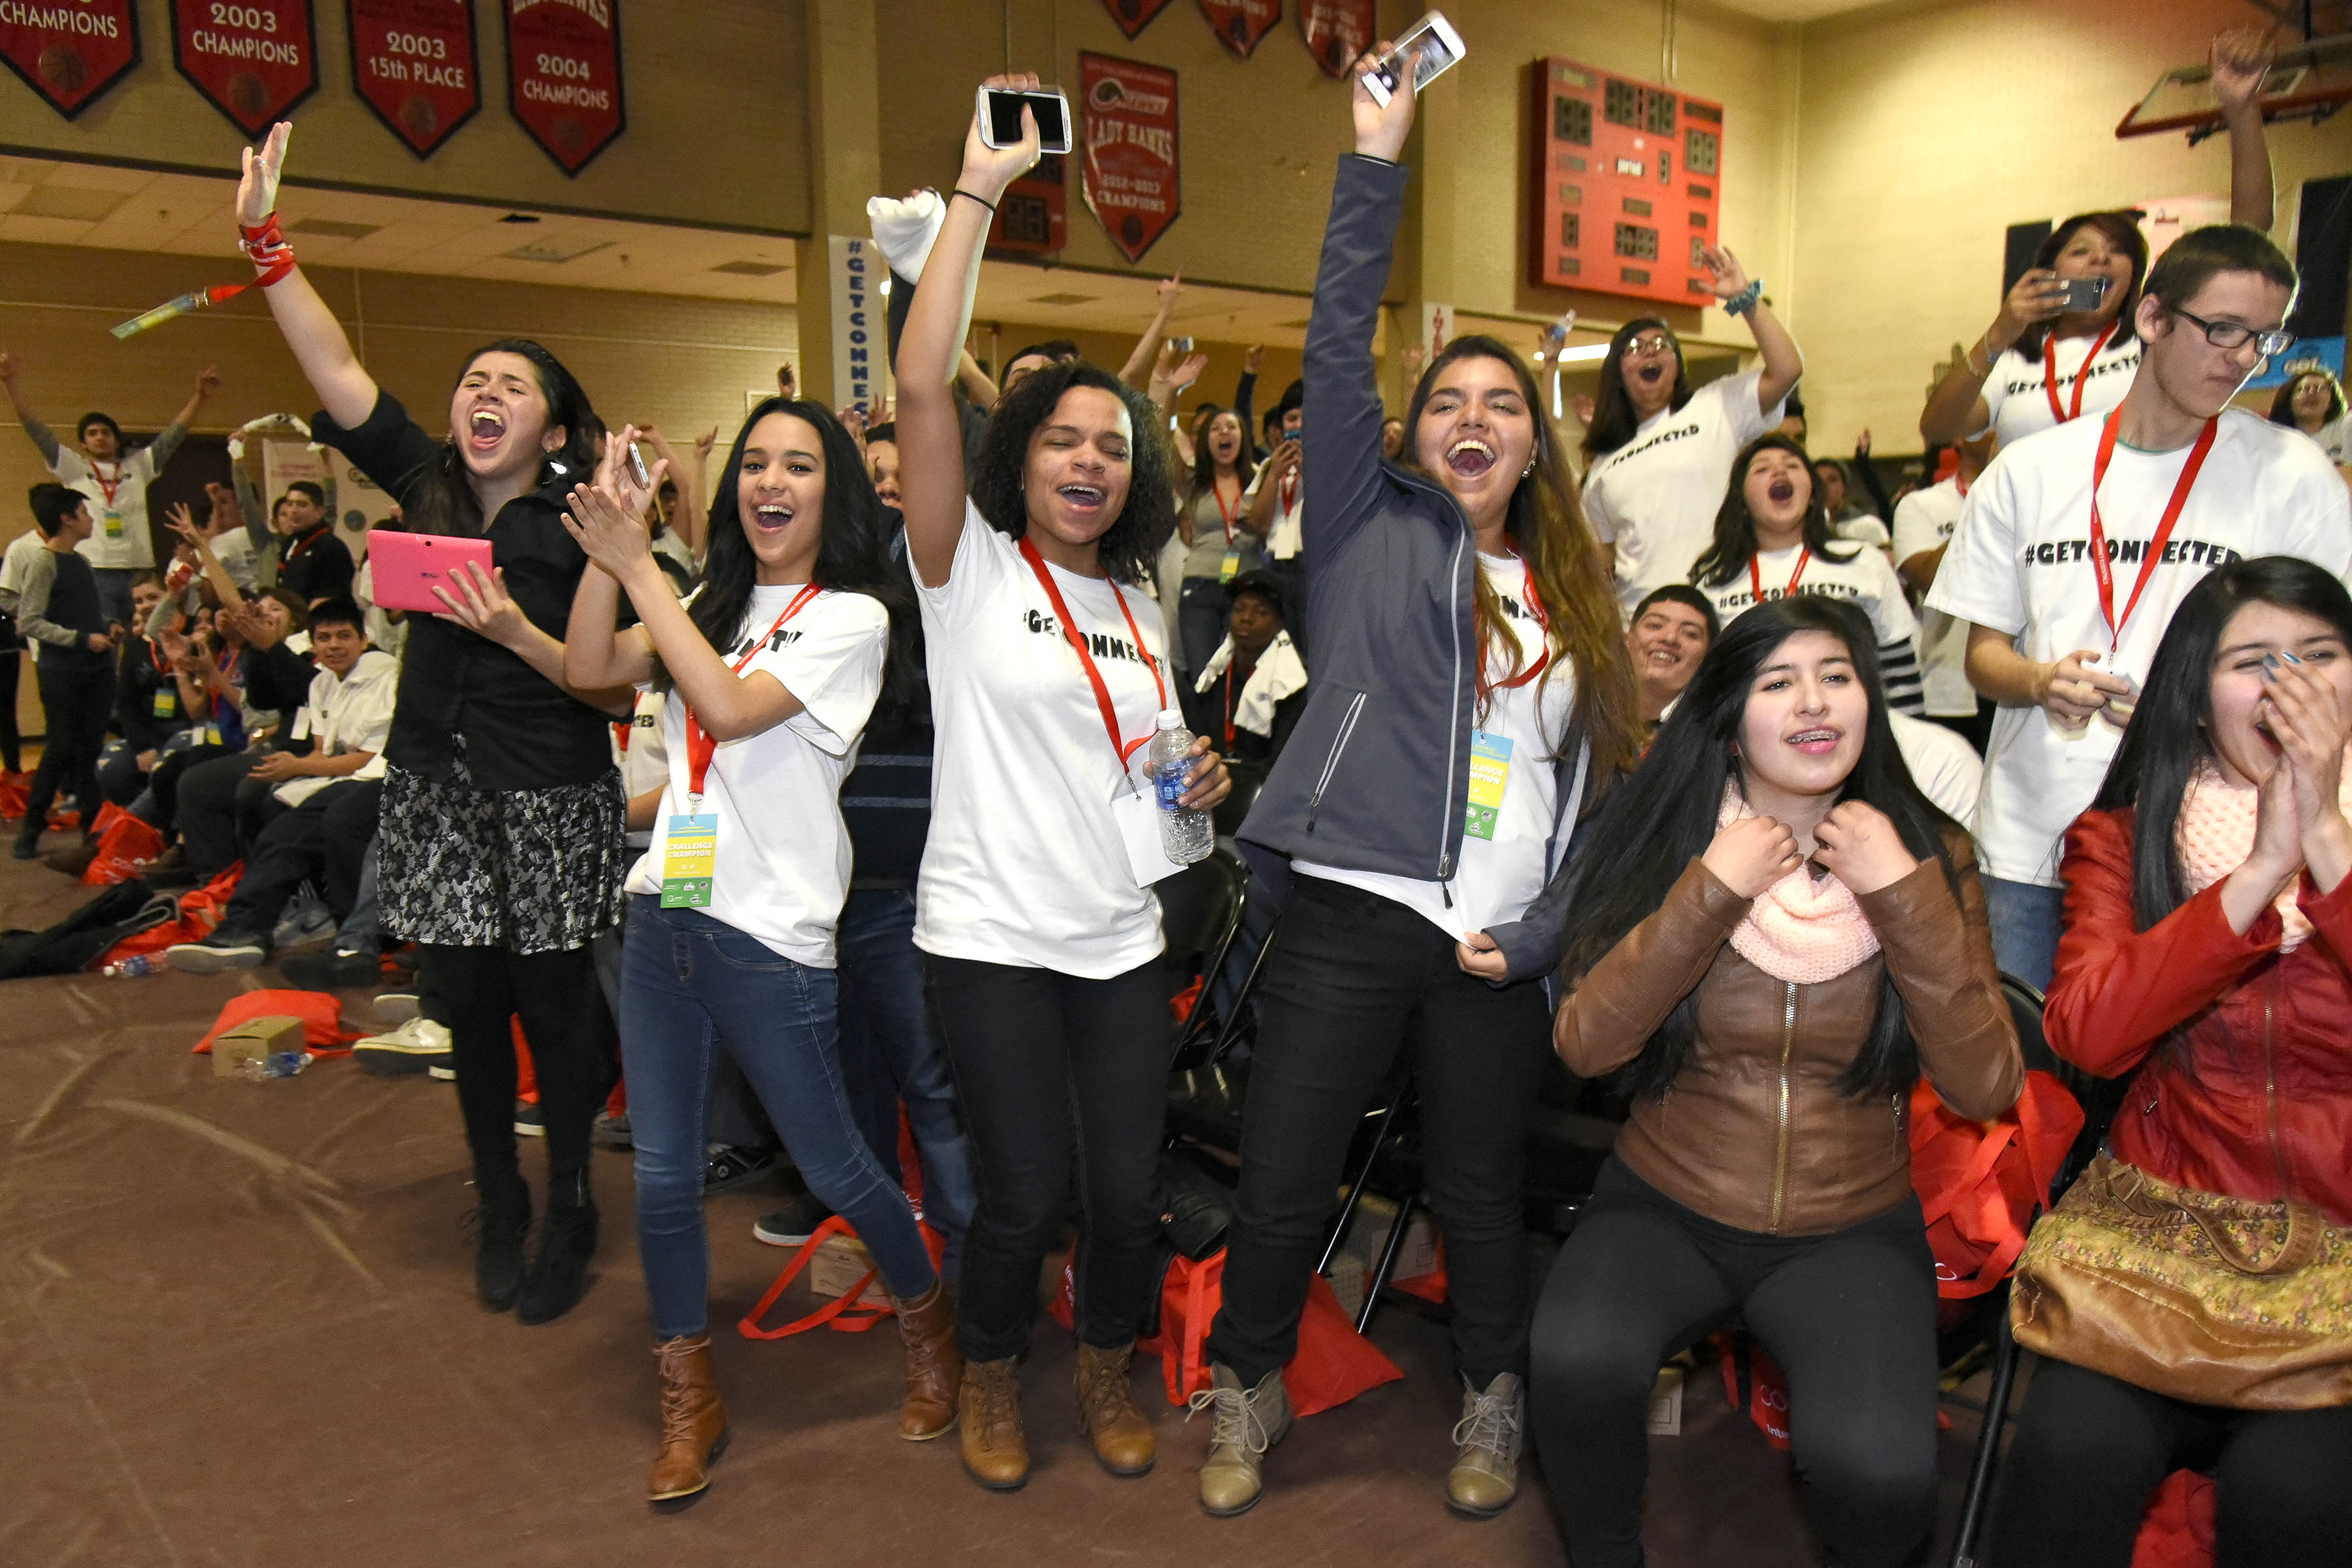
[988,170]
[257,186]
[1751,855]
[1858,846]
[7,367]
[1253,357]
[2038,296]
[611,535]
[617,479]
[1730,278]
[1187,371]
[207,381]
[182,522]
[1381,128]
[704,442]
[2239,59]
[2305,715]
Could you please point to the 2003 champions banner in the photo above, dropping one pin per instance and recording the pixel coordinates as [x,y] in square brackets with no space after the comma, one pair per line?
[1130,177]
[252,60]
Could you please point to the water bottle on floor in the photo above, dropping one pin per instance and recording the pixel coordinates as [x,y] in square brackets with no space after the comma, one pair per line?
[131,968]
[1186,835]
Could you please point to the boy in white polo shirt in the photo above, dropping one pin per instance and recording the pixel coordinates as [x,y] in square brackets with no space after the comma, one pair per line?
[2183,484]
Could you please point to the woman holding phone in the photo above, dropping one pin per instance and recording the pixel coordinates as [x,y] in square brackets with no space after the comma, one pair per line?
[1470,694]
[1042,946]
[502,850]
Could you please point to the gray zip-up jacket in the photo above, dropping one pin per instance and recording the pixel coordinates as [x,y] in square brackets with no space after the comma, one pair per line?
[1377,775]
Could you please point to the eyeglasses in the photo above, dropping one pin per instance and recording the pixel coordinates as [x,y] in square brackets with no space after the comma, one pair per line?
[1654,344]
[2232,335]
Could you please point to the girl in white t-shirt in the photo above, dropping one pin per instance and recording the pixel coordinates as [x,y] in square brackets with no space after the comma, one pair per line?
[772,671]
[1042,946]
[1656,453]
[2310,401]
[1772,539]
[2039,363]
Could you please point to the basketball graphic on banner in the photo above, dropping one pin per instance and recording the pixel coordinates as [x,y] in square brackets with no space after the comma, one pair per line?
[69,55]
[1130,178]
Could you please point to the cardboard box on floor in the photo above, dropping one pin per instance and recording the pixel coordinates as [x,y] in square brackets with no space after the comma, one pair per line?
[840,1262]
[255,1039]
[1359,1252]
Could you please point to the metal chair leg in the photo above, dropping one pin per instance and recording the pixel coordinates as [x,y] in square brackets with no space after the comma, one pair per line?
[1388,1250]
[1362,1179]
[2005,1355]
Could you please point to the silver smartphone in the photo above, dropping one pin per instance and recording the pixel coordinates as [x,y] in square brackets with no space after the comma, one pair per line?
[637,468]
[1439,47]
[2082,295]
[1000,117]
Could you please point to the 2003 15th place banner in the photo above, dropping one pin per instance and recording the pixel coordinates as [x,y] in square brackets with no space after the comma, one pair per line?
[417,64]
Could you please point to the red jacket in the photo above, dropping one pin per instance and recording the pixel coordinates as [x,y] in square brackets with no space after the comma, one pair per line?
[2254,1099]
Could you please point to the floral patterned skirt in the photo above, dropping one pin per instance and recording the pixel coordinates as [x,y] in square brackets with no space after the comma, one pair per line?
[530,870]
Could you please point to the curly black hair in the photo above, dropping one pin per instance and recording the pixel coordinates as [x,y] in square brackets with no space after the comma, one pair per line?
[997,487]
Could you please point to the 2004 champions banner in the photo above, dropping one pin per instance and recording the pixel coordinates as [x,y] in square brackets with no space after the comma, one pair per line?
[1131,178]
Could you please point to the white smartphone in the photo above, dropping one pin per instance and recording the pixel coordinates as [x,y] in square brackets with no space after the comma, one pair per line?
[1439,47]
[1000,117]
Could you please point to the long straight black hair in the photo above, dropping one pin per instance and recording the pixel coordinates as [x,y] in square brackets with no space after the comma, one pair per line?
[1735,525]
[2170,731]
[852,551]
[1204,467]
[445,501]
[1652,826]
[1613,420]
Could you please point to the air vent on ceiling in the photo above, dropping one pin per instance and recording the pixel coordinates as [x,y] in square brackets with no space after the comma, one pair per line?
[69,202]
[519,217]
[751,268]
[556,251]
[1065,298]
[1300,322]
[328,228]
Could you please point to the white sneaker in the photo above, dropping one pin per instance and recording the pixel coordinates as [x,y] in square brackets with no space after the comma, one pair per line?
[904,228]
[418,1045]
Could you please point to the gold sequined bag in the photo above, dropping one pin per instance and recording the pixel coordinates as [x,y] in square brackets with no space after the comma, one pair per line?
[2207,1299]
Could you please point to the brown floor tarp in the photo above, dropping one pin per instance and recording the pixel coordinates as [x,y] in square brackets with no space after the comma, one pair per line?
[236,1331]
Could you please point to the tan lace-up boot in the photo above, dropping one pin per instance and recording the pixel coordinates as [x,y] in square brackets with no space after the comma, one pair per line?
[996,1449]
[1248,1421]
[1486,1474]
[934,1366]
[694,1423]
[1122,1438]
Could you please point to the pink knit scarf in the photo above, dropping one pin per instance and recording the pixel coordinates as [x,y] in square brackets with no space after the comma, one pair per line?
[1799,929]
[2216,833]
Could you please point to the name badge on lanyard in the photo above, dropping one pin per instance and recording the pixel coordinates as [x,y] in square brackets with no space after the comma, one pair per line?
[690,875]
[1490,775]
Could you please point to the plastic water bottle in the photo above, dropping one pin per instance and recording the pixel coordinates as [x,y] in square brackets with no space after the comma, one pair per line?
[131,968]
[1186,833]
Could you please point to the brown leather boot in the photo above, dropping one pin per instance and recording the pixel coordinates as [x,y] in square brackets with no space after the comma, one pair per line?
[934,1365]
[996,1449]
[1122,1438]
[694,1423]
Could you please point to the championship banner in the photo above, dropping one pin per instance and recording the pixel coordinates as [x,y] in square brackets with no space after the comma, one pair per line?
[70,51]
[564,76]
[1130,178]
[1240,24]
[254,62]
[1134,15]
[418,65]
[1336,32]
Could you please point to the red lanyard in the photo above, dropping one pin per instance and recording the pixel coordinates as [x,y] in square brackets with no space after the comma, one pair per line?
[700,747]
[1756,576]
[300,542]
[1078,644]
[1216,493]
[2050,372]
[2157,541]
[108,490]
[1230,674]
[1289,489]
[1535,608]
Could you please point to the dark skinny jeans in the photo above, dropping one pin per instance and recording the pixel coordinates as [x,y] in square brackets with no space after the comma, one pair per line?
[1354,980]
[1053,1072]
[1850,1316]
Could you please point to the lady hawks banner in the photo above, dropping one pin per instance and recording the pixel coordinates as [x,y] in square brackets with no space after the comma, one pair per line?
[564,76]
[1130,177]
[70,51]
[415,64]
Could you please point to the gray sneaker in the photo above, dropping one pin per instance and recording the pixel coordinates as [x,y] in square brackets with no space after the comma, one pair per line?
[1248,1422]
[1485,1475]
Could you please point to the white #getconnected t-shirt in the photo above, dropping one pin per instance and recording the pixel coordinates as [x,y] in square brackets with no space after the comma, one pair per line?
[783,861]
[1924,521]
[1499,877]
[2019,563]
[1865,579]
[2013,393]
[1656,496]
[118,539]
[1025,864]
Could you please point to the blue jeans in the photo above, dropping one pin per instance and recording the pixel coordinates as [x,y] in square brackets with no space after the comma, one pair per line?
[890,1053]
[2025,919]
[689,982]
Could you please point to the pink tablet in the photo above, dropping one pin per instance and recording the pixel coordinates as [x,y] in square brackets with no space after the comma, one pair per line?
[406,568]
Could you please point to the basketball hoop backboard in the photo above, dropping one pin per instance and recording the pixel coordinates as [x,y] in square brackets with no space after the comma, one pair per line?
[2309,81]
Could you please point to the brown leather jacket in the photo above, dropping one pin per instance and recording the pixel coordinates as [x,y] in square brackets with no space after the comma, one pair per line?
[1754,1133]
